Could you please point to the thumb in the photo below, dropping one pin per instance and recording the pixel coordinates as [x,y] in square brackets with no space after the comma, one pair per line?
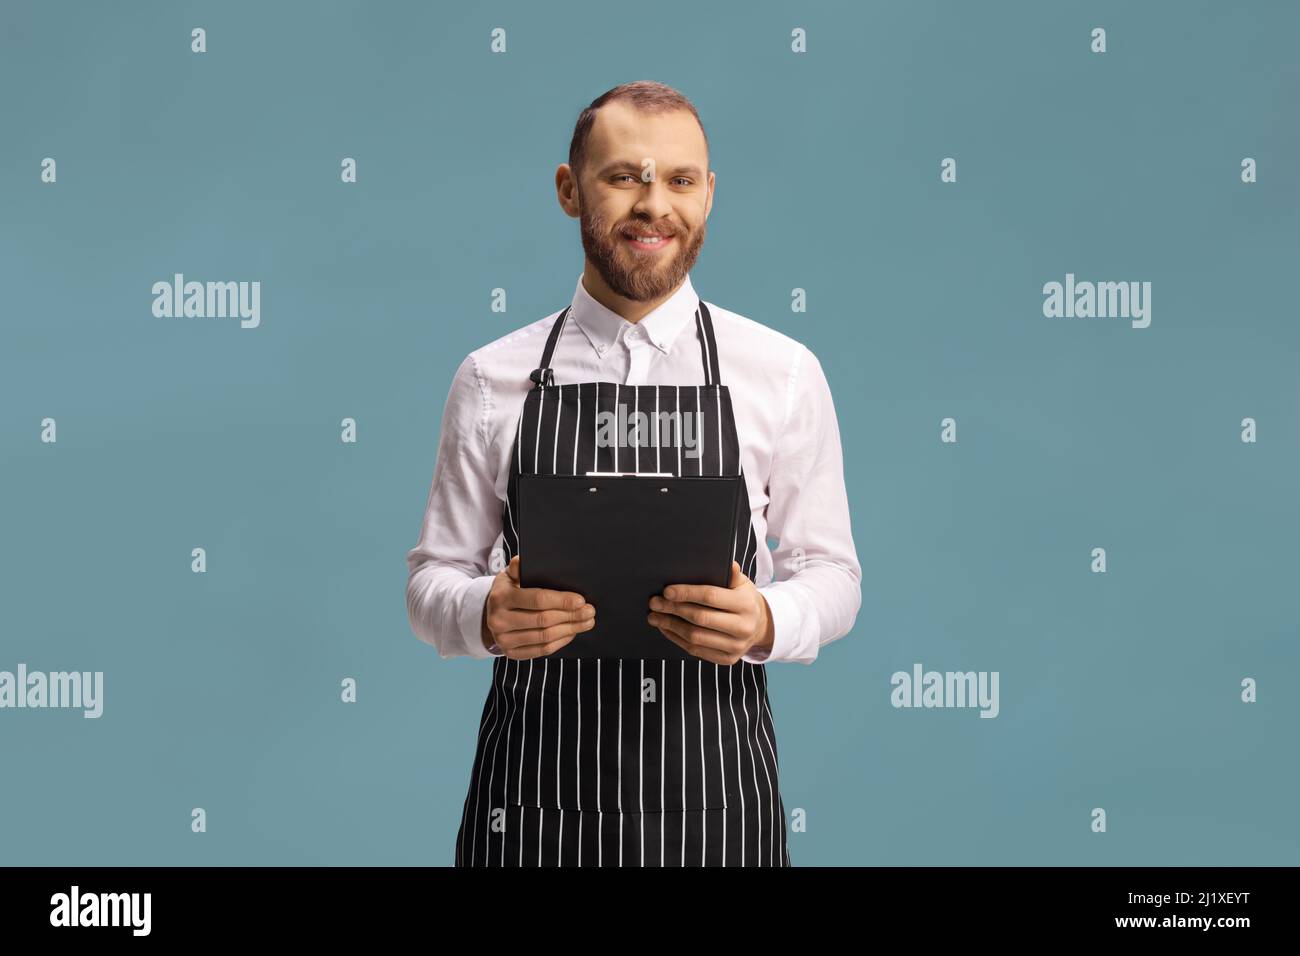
[737,576]
[512,569]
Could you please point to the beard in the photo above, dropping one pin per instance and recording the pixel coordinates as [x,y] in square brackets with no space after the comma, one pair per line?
[639,278]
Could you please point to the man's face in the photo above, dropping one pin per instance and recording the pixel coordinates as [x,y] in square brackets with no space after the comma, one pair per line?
[645,192]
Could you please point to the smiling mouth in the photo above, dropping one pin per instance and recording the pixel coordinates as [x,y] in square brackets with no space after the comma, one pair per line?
[648,242]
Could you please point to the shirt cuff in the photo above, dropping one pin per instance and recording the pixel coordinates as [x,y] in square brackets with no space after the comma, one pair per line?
[471,617]
[787,622]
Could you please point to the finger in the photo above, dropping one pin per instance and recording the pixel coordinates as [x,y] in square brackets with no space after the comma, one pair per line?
[676,640]
[695,635]
[530,651]
[542,635]
[728,622]
[542,599]
[725,598]
[703,653]
[511,620]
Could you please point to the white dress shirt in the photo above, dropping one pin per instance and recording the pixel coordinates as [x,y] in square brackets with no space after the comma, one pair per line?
[790,450]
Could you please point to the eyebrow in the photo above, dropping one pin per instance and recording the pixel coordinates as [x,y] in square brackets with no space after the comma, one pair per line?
[690,170]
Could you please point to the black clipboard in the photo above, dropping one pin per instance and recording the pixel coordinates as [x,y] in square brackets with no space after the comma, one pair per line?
[617,539]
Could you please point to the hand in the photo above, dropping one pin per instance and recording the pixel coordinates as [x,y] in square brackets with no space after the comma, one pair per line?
[715,624]
[532,622]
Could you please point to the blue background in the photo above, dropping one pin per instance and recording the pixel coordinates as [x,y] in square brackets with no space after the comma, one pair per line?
[1118,690]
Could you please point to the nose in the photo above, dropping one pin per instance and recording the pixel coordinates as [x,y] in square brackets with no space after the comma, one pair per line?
[653,201]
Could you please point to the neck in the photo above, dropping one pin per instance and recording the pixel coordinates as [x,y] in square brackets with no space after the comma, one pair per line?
[630,309]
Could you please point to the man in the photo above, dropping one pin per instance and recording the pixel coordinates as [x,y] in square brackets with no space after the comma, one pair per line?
[635,762]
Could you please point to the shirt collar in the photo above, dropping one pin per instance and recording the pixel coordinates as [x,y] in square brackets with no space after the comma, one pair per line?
[603,326]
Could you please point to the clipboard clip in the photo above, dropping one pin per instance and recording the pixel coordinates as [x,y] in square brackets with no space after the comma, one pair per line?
[629,474]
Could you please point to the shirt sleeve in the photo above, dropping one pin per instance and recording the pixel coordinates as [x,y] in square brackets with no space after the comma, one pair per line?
[816,589]
[448,569]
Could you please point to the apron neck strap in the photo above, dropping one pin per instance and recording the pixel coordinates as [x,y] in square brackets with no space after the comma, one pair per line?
[708,344]
[544,375]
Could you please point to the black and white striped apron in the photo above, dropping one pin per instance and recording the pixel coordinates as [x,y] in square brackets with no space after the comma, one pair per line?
[609,762]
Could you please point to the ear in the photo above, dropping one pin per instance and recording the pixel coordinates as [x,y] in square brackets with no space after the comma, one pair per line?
[565,193]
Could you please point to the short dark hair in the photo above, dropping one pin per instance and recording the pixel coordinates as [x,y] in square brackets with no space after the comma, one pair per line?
[644,95]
